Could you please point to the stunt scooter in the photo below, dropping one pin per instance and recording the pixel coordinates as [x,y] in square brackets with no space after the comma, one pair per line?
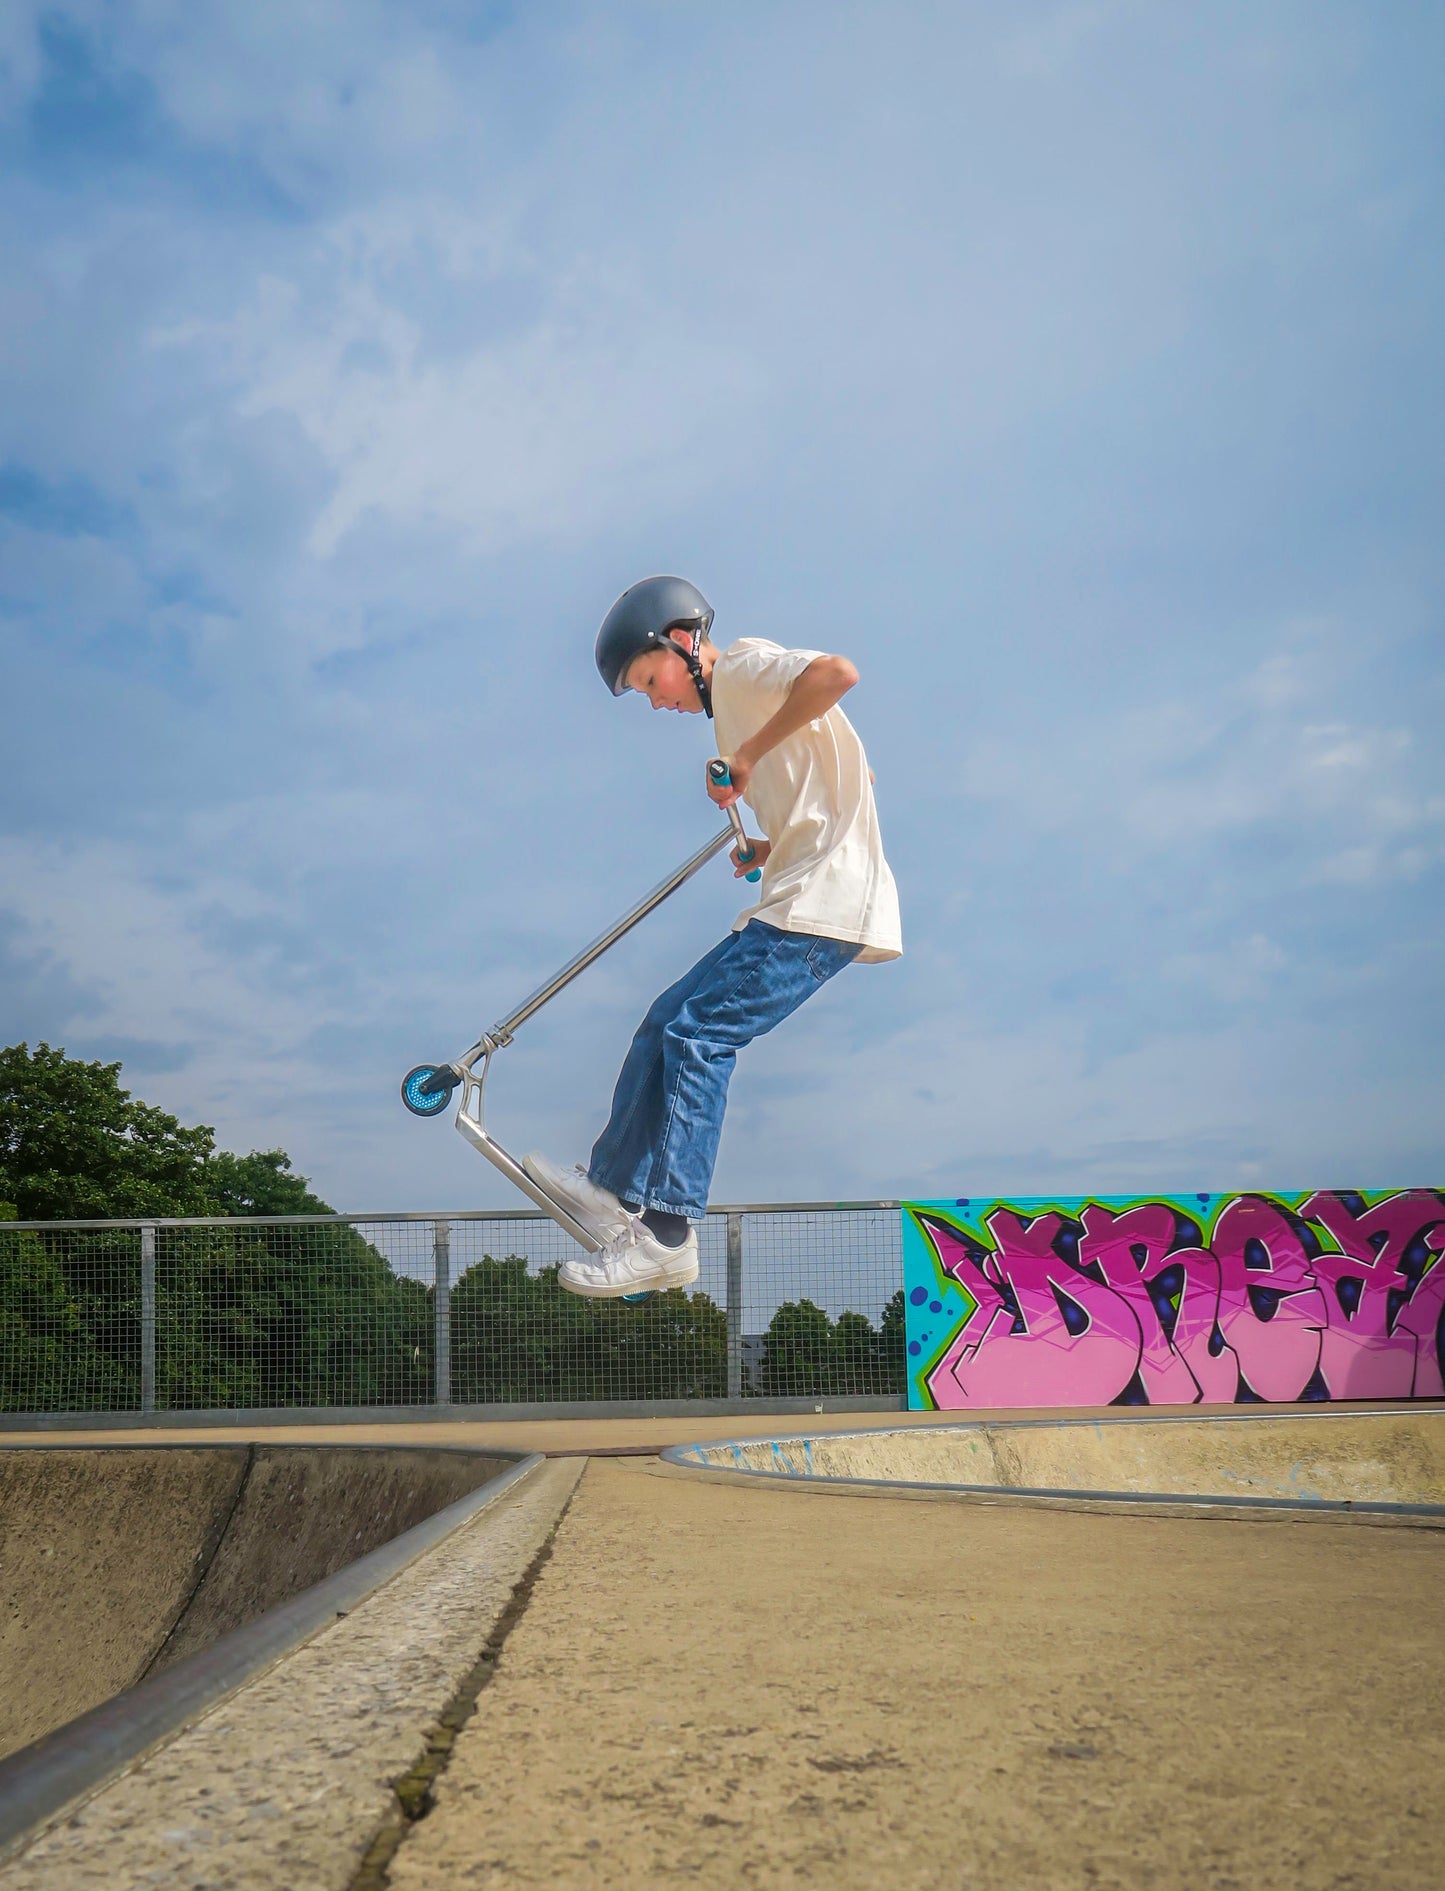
[427,1089]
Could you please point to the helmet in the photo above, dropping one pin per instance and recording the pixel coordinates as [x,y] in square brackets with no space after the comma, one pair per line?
[641,619]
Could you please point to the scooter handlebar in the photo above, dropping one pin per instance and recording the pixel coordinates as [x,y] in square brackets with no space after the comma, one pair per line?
[719,774]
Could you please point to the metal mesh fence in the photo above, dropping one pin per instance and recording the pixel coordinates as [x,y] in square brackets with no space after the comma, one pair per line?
[240,1314]
[822,1303]
[70,1319]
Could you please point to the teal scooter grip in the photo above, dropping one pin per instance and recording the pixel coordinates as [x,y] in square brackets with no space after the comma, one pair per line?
[720,777]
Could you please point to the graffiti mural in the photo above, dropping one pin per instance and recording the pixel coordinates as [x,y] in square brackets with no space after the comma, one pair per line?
[1175,1300]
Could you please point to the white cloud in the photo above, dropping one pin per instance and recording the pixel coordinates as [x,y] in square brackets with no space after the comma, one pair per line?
[1239,972]
[1281,679]
[1356,798]
[606,402]
[190,969]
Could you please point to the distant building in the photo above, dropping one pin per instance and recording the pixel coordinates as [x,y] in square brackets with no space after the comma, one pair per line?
[755,1345]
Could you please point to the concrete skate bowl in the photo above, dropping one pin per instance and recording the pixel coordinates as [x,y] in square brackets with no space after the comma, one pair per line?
[1385,1465]
[123,1563]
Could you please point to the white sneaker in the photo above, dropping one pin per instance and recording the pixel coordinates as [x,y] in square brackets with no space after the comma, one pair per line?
[633,1262]
[597,1208]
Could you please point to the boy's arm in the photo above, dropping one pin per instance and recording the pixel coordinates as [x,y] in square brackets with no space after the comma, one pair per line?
[826,681]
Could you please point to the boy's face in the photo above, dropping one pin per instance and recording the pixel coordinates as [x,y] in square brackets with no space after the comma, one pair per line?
[662,676]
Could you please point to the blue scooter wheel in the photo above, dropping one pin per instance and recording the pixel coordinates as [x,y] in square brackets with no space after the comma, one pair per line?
[636,1299]
[424,1102]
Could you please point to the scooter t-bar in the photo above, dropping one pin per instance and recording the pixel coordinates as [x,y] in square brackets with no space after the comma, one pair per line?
[427,1089]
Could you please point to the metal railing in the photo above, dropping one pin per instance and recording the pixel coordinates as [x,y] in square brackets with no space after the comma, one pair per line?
[794,1301]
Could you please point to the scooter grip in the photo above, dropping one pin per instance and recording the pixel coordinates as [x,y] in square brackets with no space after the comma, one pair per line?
[746,850]
[720,775]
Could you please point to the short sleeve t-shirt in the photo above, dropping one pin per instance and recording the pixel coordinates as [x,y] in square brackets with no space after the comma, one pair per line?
[826,873]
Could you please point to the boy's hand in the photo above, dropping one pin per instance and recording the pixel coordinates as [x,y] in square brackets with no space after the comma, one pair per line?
[757,858]
[741,770]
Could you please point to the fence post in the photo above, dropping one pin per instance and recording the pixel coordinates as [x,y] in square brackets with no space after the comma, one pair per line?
[147,1319]
[735,1306]
[442,1310]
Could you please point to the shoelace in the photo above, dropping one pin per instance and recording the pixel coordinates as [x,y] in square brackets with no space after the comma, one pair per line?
[627,1237]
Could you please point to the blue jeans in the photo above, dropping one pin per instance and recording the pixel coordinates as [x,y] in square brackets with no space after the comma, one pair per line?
[660,1143]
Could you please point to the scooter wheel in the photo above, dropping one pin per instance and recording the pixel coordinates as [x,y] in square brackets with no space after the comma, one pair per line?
[636,1299]
[419,1101]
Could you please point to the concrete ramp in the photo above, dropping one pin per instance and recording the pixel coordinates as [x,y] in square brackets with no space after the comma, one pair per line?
[1368,1461]
[118,1561]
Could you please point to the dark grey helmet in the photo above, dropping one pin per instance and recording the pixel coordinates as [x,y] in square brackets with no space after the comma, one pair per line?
[641,618]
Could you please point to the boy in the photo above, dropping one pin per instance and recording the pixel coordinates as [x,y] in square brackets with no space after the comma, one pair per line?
[826,899]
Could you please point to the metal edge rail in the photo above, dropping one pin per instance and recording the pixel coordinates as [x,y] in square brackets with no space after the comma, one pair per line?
[42,1779]
[135,1223]
[308,1417]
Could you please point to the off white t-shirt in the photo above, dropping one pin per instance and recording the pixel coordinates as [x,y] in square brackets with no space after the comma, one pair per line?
[826,873]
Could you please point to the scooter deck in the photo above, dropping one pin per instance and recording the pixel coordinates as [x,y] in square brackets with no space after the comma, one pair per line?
[509,1166]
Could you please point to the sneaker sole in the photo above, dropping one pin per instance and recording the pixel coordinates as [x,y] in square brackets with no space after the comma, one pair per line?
[586,1291]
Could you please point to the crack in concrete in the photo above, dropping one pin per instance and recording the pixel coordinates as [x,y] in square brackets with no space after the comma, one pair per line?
[414,1790]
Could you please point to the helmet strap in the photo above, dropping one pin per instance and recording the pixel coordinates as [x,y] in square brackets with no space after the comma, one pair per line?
[694,663]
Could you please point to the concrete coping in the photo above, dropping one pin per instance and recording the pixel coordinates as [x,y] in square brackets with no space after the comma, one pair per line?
[72,1762]
[859,1461]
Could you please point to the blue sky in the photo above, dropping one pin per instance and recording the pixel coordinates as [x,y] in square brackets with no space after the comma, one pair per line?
[1074,368]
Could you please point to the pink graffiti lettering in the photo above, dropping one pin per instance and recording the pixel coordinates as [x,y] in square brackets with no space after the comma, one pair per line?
[1381,1337]
[1133,1250]
[1271,1311]
[997,1359]
[1333,1299]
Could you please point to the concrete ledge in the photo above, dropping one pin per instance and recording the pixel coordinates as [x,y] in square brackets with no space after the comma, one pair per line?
[41,1780]
[1386,1465]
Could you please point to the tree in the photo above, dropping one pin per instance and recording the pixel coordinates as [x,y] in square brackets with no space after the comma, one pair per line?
[245,1315]
[251,1315]
[262,1183]
[807,1355]
[49,1360]
[798,1352]
[518,1335]
[75,1146]
[893,1345]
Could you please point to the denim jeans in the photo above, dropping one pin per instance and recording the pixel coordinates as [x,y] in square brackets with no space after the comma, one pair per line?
[660,1143]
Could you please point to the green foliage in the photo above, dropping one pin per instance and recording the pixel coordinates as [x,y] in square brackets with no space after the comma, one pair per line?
[807,1355]
[245,1316]
[797,1352]
[260,1184]
[514,1333]
[75,1146]
[893,1344]
[49,1356]
[251,1316]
